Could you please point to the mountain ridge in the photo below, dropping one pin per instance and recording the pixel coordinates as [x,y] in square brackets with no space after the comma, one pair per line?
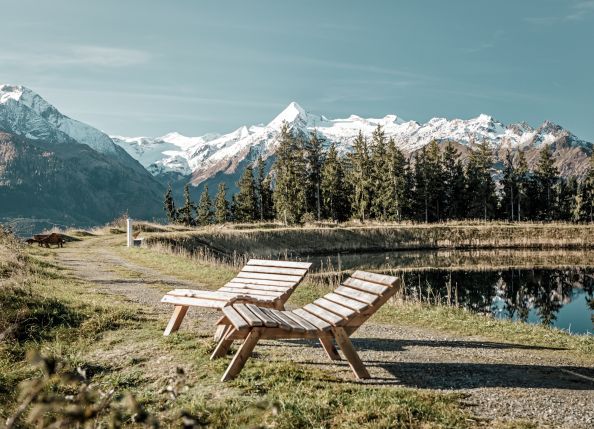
[65,171]
[205,156]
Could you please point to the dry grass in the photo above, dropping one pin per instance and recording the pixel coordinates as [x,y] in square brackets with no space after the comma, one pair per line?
[236,243]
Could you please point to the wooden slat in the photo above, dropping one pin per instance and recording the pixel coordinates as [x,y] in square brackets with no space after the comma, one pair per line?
[375,278]
[274,270]
[235,318]
[365,286]
[268,321]
[322,313]
[243,291]
[341,310]
[248,315]
[287,264]
[264,282]
[281,322]
[293,325]
[316,321]
[204,294]
[301,321]
[347,302]
[356,294]
[264,276]
[281,289]
[198,302]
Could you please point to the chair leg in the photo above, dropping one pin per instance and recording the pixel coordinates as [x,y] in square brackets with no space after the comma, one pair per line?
[176,318]
[224,343]
[342,339]
[329,348]
[242,354]
[220,332]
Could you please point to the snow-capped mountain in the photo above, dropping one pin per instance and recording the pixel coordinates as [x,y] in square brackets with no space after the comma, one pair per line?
[205,156]
[59,170]
[25,112]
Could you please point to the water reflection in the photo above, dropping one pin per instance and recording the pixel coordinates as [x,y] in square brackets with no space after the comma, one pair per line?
[558,297]
[550,287]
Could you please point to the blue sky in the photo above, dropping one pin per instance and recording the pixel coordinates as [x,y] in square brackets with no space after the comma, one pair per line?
[141,67]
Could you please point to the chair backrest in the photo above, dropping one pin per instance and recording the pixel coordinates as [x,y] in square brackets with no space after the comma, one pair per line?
[267,277]
[356,299]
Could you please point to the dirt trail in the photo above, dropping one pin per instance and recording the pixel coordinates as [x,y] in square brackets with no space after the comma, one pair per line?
[498,380]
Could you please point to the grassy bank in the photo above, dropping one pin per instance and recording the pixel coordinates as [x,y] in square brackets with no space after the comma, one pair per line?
[441,318]
[103,359]
[274,241]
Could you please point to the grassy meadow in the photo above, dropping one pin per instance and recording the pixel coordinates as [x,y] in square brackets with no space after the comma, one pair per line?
[72,355]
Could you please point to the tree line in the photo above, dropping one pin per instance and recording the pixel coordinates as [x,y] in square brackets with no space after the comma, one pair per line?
[377,181]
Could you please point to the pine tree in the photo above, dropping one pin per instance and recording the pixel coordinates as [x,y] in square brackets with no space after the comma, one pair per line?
[333,187]
[408,200]
[522,184]
[380,190]
[420,195]
[260,187]
[509,183]
[395,182]
[246,205]
[359,178]
[186,213]
[567,192]
[454,184]
[314,160]
[267,202]
[482,198]
[546,177]
[434,177]
[587,194]
[204,215]
[169,206]
[289,196]
[221,204]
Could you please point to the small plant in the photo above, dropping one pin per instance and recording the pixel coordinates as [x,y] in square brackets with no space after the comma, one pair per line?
[62,397]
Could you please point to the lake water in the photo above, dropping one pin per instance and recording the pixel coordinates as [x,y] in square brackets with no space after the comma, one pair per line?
[535,286]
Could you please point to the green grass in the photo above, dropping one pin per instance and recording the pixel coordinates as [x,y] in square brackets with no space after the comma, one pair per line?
[120,346]
[207,275]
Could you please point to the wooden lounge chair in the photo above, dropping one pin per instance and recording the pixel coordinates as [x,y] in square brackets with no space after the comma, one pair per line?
[267,283]
[333,317]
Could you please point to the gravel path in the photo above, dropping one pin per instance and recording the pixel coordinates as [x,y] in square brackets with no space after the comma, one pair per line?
[497,380]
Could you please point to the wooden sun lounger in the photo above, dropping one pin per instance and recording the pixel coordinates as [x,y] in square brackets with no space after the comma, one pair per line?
[333,317]
[267,283]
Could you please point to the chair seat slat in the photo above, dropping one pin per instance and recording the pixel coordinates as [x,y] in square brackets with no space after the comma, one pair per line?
[286,264]
[357,294]
[266,319]
[235,318]
[274,270]
[341,310]
[322,313]
[365,286]
[320,324]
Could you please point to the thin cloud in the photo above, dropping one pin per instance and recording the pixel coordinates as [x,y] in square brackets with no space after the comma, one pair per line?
[578,11]
[77,55]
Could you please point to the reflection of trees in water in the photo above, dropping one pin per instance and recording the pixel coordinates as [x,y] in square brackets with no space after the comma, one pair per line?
[545,290]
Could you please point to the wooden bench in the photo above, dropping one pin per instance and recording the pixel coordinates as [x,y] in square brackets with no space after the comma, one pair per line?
[333,317]
[263,282]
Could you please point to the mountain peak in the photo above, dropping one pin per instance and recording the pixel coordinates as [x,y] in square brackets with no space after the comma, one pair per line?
[10,92]
[292,113]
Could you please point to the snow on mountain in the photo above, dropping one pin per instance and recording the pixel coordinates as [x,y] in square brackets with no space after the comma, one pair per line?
[205,156]
[24,112]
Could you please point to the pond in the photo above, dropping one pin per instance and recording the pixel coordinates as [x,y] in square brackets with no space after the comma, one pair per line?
[536,286]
